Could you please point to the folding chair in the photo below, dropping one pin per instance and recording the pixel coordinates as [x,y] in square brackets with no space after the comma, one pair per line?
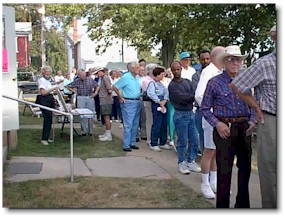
[36,111]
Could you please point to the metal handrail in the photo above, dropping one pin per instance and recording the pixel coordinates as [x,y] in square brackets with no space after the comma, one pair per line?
[71,128]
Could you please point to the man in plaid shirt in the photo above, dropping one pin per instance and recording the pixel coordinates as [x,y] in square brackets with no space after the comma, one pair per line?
[84,88]
[233,122]
[261,76]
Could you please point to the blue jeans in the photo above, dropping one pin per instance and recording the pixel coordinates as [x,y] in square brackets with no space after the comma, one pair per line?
[116,109]
[198,120]
[187,135]
[131,110]
[159,126]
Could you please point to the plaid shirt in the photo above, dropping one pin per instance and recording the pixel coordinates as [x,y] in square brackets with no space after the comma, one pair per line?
[84,87]
[262,76]
[225,103]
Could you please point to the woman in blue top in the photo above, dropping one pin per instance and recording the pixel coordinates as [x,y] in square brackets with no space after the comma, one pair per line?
[159,95]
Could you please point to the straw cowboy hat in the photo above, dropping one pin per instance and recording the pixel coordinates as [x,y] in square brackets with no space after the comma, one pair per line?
[98,70]
[232,50]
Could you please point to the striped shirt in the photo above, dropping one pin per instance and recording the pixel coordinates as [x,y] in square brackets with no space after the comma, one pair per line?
[84,87]
[262,76]
[225,103]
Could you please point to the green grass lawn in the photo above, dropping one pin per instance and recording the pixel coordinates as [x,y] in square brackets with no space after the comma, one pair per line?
[27,118]
[29,141]
[102,192]
[29,145]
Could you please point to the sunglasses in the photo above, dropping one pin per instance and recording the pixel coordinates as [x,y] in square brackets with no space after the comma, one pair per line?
[234,59]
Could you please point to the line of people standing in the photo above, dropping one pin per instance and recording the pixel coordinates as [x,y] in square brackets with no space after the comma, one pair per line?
[210,109]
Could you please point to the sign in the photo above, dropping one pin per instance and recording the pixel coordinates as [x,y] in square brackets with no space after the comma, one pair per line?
[4,60]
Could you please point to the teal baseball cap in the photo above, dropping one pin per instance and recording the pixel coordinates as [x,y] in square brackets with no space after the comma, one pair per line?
[185,54]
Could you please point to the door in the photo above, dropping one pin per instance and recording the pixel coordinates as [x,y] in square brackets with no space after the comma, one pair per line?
[10,114]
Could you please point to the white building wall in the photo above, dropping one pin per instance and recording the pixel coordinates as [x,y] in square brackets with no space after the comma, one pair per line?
[87,54]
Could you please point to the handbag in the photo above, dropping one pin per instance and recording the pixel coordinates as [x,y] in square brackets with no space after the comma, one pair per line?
[145,96]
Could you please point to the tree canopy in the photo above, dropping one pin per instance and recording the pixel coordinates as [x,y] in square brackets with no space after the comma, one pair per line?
[181,27]
[177,27]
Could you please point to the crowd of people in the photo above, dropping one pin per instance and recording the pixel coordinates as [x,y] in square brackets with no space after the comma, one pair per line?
[209,111]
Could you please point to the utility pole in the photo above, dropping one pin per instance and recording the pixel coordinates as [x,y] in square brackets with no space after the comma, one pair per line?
[122,50]
[41,10]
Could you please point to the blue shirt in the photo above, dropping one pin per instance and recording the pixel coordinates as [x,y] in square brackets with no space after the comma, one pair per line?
[129,85]
[155,89]
[224,101]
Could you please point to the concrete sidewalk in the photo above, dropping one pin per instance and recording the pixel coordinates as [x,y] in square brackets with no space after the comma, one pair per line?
[142,163]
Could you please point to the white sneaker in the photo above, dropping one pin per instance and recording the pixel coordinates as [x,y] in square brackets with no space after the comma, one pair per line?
[50,140]
[101,136]
[106,138]
[44,142]
[214,187]
[155,148]
[183,168]
[207,191]
[193,166]
[171,143]
[166,147]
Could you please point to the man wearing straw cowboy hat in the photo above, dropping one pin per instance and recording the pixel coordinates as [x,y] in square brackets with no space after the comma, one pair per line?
[261,76]
[233,121]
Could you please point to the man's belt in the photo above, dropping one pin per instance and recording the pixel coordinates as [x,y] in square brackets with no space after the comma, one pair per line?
[132,98]
[233,120]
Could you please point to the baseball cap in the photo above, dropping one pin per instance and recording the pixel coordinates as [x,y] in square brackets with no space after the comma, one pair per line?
[185,54]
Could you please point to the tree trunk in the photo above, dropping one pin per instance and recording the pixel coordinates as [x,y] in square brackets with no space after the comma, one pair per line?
[167,51]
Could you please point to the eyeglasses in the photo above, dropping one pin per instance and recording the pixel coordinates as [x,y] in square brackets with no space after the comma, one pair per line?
[234,59]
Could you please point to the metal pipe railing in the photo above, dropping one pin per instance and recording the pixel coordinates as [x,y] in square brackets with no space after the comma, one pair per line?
[71,128]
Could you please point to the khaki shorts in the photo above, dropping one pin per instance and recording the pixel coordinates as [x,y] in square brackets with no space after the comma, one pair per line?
[208,135]
[106,109]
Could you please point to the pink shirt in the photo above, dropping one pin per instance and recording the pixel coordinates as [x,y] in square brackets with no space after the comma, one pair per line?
[145,82]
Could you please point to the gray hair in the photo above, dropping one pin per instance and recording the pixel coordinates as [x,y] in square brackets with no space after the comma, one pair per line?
[46,68]
[150,67]
[130,65]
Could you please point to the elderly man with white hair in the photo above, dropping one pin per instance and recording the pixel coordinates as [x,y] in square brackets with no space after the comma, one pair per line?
[128,91]
[261,76]
[233,121]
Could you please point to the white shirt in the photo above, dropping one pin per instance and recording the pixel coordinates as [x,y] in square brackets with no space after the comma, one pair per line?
[165,81]
[188,73]
[58,79]
[72,75]
[44,84]
[113,82]
[209,72]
